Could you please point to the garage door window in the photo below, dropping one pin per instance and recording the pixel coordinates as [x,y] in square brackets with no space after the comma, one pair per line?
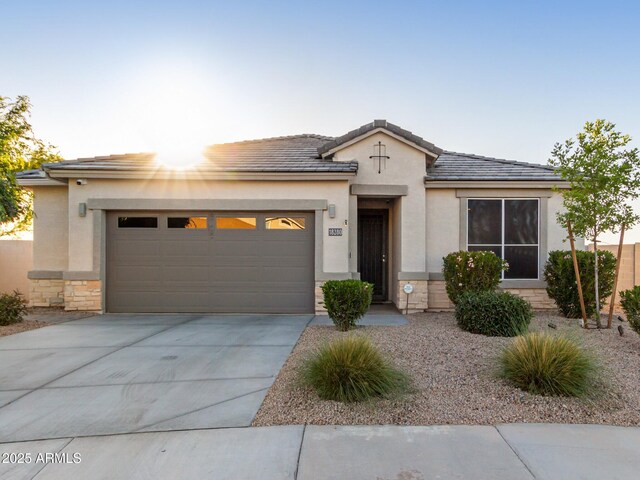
[284,223]
[187,222]
[137,222]
[236,223]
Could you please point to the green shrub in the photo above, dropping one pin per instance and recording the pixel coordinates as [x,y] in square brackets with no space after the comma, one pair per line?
[497,314]
[346,301]
[630,301]
[548,365]
[13,306]
[351,369]
[471,272]
[561,280]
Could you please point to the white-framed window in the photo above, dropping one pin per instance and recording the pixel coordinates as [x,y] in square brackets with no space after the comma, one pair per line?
[509,227]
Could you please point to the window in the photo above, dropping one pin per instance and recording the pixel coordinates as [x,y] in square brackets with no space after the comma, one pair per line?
[187,222]
[510,229]
[241,223]
[284,223]
[137,222]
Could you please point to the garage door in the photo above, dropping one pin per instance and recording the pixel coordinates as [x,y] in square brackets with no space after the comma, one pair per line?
[210,262]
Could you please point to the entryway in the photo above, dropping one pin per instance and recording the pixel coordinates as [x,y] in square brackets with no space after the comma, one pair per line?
[373,250]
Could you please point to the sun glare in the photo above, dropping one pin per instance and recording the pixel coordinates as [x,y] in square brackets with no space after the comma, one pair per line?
[180,157]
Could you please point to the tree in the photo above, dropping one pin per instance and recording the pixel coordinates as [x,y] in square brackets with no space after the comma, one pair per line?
[19,150]
[603,177]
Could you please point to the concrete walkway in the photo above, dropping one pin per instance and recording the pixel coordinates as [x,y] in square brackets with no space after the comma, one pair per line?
[509,452]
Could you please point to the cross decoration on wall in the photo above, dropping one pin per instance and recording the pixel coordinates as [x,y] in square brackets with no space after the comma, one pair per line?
[380,154]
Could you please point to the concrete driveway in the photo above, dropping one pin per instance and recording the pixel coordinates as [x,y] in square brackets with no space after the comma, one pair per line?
[140,373]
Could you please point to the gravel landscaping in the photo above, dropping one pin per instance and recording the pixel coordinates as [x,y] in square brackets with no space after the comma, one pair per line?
[455,382]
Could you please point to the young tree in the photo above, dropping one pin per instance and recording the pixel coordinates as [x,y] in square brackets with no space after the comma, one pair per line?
[19,150]
[603,177]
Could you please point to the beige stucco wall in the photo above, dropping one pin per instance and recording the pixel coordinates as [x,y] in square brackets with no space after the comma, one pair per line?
[335,249]
[407,166]
[443,224]
[629,275]
[16,259]
[50,228]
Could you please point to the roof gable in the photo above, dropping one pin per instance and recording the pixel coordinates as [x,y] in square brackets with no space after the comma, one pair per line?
[364,131]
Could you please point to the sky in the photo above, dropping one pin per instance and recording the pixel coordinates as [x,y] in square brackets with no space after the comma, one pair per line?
[499,78]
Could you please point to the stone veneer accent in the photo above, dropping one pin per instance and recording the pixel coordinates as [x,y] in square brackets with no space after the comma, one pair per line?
[536,296]
[438,298]
[319,300]
[418,300]
[83,295]
[439,301]
[47,293]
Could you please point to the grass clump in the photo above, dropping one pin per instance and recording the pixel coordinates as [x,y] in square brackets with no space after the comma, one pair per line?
[544,364]
[351,369]
[495,314]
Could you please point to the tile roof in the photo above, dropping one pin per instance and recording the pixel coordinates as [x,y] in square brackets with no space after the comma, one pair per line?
[301,154]
[358,132]
[296,153]
[467,167]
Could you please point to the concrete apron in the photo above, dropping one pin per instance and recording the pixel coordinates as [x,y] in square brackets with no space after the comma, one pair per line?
[513,452]
[116,374]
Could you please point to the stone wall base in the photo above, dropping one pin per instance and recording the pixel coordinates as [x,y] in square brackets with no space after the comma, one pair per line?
[537,297]
[83,295]
[439,301]
[319,300]
[438,298]
[418,300]
[47,293]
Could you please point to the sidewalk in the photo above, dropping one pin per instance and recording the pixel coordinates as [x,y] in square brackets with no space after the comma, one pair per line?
[513,452]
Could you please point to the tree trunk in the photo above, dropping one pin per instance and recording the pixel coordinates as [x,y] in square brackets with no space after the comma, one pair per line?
[615,280]
[595,256]
[576,270]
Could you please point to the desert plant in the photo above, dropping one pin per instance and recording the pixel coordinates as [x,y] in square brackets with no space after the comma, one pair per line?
[544,364]
[351,369]
[13,306]
[496,314]
[346,301]
[471,272]
[630,301]
[561,280]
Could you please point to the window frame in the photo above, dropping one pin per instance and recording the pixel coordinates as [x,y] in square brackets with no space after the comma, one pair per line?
[139,215]
[502,234]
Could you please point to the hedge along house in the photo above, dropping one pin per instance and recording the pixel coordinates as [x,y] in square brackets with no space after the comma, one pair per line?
[259,225]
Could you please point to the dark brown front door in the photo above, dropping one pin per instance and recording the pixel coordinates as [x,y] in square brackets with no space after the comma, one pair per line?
[372,250]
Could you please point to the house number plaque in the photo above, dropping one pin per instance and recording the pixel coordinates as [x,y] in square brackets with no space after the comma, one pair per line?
[335,232]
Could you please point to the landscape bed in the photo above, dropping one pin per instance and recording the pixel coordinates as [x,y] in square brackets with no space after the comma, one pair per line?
[455,379]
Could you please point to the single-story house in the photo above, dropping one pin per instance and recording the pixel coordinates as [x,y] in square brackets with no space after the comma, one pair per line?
[259,225]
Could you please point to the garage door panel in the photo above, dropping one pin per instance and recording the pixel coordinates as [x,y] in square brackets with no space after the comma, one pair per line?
[210,269]
[132,274]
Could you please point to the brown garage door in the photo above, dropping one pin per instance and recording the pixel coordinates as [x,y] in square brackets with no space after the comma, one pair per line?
[210,262]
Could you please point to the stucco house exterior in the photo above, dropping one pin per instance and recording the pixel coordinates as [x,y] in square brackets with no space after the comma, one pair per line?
[259,225]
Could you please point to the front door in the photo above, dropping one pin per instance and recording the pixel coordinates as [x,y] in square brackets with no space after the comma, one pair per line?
[372,250]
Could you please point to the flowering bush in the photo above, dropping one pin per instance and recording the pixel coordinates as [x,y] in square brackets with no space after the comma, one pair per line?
[561,280]
[471,272]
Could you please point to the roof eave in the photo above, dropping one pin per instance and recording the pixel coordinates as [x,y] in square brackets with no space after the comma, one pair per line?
[146,174]
[546,184]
